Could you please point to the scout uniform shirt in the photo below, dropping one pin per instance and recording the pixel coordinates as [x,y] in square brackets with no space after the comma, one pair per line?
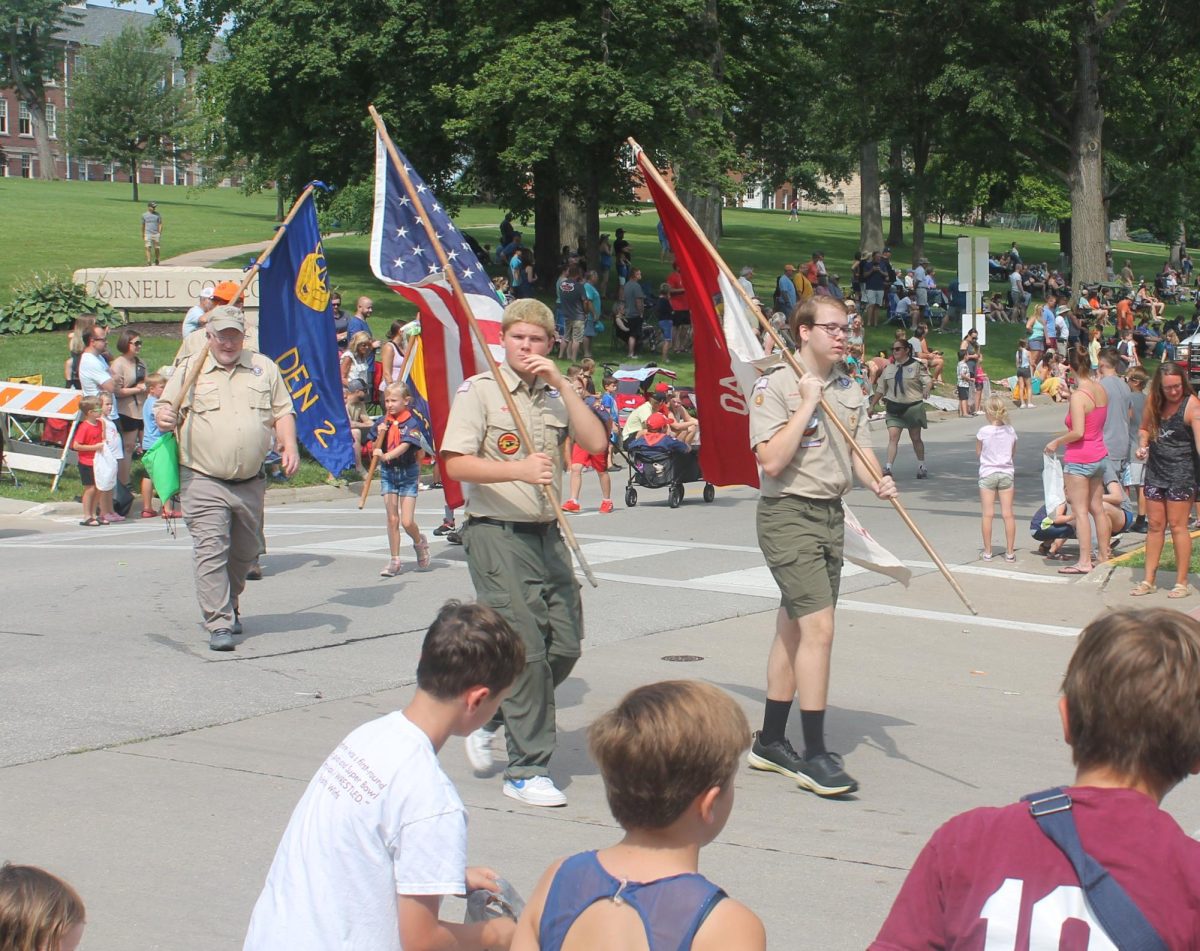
[231,415]
[913,382]
[821,467]
[481,425]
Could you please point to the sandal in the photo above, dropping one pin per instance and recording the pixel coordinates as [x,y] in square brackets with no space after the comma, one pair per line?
[1010,556]
[391,570]
[91,521]
[985,555]
[149,513]
[1142,588]
[1056,556]
[1179,591]
[422,550]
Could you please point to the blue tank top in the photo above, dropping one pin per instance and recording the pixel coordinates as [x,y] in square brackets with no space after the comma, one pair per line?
[672,909]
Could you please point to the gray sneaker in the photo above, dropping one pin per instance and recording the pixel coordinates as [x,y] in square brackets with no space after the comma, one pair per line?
[221,640]
[823,774]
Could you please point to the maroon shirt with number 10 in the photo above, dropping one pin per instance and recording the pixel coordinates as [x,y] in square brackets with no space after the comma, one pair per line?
[990,879]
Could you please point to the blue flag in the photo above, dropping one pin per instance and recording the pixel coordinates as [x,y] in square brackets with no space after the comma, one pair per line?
[295,329]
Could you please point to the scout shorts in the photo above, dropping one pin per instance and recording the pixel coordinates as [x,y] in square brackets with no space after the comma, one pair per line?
[802,542]
[399,480]
[905,415]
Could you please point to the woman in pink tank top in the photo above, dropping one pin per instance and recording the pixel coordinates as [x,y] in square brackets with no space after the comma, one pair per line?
[1083,461]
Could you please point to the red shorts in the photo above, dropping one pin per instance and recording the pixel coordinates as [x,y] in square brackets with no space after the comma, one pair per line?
[597,461]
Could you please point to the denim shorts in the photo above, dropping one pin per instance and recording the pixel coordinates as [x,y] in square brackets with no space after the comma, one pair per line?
[1089,470]
[399,480]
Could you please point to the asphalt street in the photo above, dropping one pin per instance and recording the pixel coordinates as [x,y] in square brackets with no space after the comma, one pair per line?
[157,776]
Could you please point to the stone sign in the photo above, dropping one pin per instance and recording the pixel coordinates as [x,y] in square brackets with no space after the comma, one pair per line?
[158,288]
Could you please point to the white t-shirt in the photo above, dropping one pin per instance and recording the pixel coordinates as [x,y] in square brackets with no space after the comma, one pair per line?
[379,819]
[93,372]
[996,454]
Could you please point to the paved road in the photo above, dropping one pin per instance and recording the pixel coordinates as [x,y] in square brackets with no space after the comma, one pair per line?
[158,776]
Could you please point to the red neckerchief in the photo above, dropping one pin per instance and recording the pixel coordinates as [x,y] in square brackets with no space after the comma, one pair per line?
[394,429]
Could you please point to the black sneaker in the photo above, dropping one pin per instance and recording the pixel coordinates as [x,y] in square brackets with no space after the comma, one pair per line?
[823,774]
[444,529]
[1139,525]
[778,757]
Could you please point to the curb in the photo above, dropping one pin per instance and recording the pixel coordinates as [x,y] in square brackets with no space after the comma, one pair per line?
[282,495]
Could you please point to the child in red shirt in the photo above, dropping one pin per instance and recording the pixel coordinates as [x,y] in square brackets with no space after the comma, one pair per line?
[89,438]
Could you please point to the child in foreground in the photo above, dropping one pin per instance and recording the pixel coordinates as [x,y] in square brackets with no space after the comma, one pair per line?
[1131,713]
[685,740]
[380,834]
[38,911]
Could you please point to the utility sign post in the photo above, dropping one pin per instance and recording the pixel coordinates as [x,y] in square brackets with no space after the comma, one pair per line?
[973,282]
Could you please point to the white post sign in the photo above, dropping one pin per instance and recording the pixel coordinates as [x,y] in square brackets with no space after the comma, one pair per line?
[973,283]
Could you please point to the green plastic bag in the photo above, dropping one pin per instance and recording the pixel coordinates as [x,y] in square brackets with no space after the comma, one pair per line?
[162,465]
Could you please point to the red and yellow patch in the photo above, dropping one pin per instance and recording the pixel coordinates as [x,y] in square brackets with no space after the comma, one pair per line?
[508,443]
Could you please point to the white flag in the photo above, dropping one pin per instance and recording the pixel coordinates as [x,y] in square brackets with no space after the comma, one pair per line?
[861,549]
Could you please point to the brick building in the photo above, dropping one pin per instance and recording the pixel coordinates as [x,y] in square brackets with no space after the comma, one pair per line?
[18,153]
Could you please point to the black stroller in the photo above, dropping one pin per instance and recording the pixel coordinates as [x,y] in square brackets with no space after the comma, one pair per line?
[653,471]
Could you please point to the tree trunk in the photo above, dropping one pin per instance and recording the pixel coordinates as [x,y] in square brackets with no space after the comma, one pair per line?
[1089,227]
[870,223]
[1179,245]
[917,196]
[895,192]
[36,103]
[572,223]
[134,164]
[591,219]
[545,221]
[280,210]
[705,207]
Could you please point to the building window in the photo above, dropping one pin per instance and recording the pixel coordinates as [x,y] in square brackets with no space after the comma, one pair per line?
[27,166]
[24,121]
[178,77]
[3,116]
[52,120]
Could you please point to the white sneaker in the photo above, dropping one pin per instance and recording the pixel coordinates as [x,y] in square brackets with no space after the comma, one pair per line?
[480,754]
[537,791]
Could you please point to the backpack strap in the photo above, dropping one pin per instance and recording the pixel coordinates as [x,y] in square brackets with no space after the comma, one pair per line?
[1121,919]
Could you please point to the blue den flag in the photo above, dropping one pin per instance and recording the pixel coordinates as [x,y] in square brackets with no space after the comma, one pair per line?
[295,329]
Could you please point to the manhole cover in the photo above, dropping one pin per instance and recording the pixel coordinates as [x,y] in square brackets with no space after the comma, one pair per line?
[683,658]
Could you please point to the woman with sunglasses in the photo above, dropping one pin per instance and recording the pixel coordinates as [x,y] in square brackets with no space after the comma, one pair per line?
[1168,440]
[129,387]
[904,386]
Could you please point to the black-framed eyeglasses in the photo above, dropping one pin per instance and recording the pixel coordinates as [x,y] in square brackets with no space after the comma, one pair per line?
[898,349]
[834,329]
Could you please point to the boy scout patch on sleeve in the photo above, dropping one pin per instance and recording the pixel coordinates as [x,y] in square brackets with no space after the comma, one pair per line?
[508,443]
[464,386]
[762,383]
[758,400]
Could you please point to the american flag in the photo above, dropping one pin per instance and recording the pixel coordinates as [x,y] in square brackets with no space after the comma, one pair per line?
[404,258]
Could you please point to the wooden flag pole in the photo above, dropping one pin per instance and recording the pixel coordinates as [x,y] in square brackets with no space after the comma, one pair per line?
[868,459]
[202,356]
[367,482]
[493,367]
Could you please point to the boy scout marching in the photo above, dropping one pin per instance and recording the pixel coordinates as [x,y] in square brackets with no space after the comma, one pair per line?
[238,404]
[518,561]
[807,466]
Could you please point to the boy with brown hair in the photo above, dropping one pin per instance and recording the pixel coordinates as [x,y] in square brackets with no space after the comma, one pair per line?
[1131,713]
[380,834]
[686,738]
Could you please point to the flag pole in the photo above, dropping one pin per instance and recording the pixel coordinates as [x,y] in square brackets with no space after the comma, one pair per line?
[251,273]
[493,367]
[868,459]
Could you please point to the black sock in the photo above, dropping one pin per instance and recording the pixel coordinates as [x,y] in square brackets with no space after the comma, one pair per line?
[812,722]
[775,718]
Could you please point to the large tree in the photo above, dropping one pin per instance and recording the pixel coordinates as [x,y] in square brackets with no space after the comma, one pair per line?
[29,56]
[124,105]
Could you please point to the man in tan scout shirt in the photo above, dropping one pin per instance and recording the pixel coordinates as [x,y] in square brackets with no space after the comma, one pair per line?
[238,404]
[807,467]
[519,564]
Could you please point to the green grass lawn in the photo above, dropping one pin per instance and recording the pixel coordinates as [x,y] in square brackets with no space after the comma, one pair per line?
[196,219]
[59,227]
[1167,562]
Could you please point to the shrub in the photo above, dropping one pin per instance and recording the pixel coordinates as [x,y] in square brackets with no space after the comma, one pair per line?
[347,209]
[47,302]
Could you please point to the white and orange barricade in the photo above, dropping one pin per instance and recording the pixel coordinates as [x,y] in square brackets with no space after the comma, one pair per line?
[20,404]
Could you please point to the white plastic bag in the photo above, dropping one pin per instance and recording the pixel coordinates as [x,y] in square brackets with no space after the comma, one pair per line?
[1052,483]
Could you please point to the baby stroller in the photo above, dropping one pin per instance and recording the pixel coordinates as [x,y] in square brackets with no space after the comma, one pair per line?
[672,472]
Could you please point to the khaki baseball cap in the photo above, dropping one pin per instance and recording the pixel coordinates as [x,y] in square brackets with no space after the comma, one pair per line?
[226,317]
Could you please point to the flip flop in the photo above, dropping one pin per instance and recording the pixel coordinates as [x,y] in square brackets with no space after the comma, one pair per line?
[1074,570]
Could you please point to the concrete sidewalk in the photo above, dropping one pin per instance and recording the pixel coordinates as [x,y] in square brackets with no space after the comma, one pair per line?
[169,839]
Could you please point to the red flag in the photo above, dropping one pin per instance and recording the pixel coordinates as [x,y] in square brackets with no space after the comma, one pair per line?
[725,454]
